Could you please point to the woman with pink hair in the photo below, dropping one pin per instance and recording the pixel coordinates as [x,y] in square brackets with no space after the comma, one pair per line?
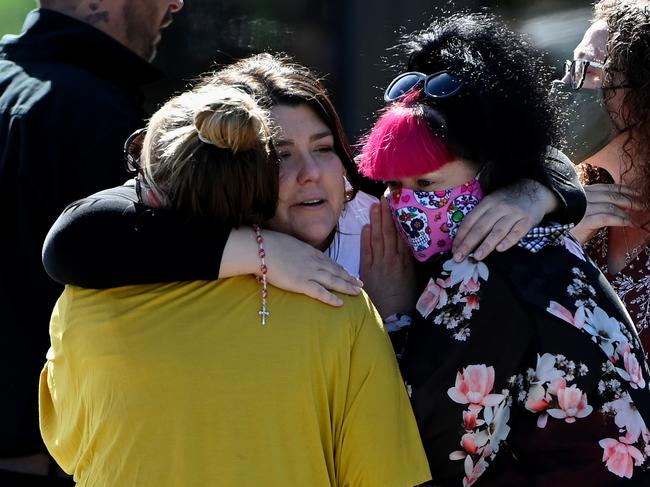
[523,368]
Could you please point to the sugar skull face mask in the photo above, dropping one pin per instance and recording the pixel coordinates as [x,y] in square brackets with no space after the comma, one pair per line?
[429,220]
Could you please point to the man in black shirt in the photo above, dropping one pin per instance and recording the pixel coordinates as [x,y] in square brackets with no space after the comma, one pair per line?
[69,97]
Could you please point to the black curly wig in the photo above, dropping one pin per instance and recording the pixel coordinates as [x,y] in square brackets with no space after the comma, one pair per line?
[503,119]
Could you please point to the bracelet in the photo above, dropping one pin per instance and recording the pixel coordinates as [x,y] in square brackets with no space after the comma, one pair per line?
[264,313]
[396,322]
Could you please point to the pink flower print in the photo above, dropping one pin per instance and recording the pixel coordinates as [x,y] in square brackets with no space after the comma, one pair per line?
[474,386]
[469,269]
[632,372]
[620,457]
[574,247]
[471,303]
[473,471]
[628,418]
[577,320]
[545,370]
[556,385]
[537,400]
[573,404]
[472,286]
[472,443]
[434,296]
[471,421]
[604,329]
[498,429]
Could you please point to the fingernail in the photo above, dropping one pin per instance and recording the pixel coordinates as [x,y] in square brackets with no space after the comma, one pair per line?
[478,255]
[458,256]
[500,247]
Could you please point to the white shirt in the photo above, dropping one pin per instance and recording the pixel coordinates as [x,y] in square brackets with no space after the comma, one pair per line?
[346,247]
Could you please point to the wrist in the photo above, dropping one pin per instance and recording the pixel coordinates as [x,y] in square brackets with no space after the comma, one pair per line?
[239,254]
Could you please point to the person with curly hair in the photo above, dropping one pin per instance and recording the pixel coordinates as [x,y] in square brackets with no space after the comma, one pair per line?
[523,368]
[606,91]
[190,383]
[320,201]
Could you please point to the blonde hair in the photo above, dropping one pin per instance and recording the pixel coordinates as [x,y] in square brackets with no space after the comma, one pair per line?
[208,152]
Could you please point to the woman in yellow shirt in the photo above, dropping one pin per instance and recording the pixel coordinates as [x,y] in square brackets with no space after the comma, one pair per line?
[187,383]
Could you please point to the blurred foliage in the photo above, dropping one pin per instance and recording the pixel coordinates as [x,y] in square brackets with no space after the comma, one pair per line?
[12,15]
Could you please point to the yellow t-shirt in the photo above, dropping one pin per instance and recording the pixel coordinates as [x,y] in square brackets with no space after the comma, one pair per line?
[179,384]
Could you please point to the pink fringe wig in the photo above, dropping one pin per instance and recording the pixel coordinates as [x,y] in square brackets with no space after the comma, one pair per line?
[401,145]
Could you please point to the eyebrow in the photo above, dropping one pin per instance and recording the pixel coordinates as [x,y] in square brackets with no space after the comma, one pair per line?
[312,138]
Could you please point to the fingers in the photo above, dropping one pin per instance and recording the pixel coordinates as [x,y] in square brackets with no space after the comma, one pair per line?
[323,283]
[376,236]
[472,231]
[333,276]
[605,215]
[614,194]
[516,233]
[403,250]
[389,235]
[336,283]
[316,291]
[365,261]
[504,233]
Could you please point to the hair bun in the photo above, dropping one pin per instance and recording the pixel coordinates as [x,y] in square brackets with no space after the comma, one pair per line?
[232,120]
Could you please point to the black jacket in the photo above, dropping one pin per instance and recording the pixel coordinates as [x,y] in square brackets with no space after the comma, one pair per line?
[69,97]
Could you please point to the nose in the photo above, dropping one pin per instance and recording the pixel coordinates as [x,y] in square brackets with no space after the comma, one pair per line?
[309,170]
[176,5]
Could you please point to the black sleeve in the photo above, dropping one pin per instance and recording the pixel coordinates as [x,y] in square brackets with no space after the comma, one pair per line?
[560,176]
[110,239]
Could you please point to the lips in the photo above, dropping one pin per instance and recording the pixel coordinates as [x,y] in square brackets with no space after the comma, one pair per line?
[314,202]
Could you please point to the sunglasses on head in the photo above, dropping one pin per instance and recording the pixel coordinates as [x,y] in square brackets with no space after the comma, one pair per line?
[438,85]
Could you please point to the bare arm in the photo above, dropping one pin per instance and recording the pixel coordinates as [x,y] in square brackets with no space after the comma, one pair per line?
[292,265]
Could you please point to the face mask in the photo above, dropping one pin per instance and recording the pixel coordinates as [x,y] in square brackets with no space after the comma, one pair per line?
[590,127]
[428,220]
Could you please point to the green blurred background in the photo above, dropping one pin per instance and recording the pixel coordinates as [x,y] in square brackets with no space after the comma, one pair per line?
[346,39]
[12,14]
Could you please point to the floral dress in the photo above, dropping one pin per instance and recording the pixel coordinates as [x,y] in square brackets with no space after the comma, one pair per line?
[632,283]
[524,369]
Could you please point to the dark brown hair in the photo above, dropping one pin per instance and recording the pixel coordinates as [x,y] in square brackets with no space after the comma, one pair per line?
[275,80]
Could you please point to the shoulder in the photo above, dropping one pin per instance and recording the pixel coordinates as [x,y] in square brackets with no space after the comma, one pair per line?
[356,213]
[63,93]
[555,155]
